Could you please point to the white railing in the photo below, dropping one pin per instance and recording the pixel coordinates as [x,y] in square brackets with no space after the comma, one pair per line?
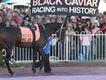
[71,50]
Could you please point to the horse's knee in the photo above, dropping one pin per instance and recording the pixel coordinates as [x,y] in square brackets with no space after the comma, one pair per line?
[4,52]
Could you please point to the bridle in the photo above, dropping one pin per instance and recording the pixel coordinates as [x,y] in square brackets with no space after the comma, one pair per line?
[60,29]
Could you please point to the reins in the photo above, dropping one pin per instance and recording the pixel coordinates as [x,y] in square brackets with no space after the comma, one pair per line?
[60,31]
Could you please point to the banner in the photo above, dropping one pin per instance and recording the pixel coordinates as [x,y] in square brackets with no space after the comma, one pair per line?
[65,7]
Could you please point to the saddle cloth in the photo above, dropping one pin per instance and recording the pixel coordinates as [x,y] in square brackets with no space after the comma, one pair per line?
[27,35]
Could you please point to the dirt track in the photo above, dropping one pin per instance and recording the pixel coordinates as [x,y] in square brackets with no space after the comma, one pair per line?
[61,71]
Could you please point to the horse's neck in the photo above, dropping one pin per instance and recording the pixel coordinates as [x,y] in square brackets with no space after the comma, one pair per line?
[51,28]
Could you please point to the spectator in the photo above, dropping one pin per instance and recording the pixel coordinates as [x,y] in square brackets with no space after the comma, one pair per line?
[95,26]
[78,30]
[59,19]
[85,44]
[47,19]
[94,30]
[69,38]
[13,24]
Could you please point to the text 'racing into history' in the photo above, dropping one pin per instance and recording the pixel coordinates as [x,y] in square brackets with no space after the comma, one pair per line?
[83,7]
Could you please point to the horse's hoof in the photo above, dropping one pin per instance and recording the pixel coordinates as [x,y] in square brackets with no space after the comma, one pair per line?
[12,74]
[38,71]
[47,71]
[41,67]
[33,70]
[34,74]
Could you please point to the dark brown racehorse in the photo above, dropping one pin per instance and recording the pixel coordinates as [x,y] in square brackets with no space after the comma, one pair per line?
[10,37]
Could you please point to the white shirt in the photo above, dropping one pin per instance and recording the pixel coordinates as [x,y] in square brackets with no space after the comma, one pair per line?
[95,30]
[85,39]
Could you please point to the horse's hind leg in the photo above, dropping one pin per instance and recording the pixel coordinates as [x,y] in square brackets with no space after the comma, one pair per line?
[36,64]
[34,61]
[8,65]
[7,56]
[47,64]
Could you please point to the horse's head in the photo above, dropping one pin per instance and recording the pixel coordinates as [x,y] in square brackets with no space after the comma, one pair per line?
[61,32]
[54,28]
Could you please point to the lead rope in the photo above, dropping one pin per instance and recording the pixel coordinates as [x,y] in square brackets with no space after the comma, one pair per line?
[44,27]
[61,30]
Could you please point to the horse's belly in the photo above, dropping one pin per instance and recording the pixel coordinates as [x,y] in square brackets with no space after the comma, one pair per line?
[24,44]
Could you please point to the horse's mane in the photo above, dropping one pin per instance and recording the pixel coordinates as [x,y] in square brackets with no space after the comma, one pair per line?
[49,28]
[53,25]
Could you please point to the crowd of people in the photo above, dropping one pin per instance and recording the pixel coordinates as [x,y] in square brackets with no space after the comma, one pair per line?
[75,24]
[83,36]
[23,17]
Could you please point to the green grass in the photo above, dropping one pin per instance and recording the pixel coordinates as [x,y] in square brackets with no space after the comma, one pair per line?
[1,57]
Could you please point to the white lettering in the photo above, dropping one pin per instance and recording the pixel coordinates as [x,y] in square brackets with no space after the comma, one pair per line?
[75,2]
[39,2]
[43,9]
[95,3]
[82,10]
[82,2]
[86,11]
[34,2]
[46,2]
[58,2]
[62,10]
[89,3]
[78,10]
[72,10]
[52,3]
[67,2]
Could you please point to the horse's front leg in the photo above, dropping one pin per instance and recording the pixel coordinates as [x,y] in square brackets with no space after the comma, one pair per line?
[36,64]
[33,64]
[7,57]
[47,67]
